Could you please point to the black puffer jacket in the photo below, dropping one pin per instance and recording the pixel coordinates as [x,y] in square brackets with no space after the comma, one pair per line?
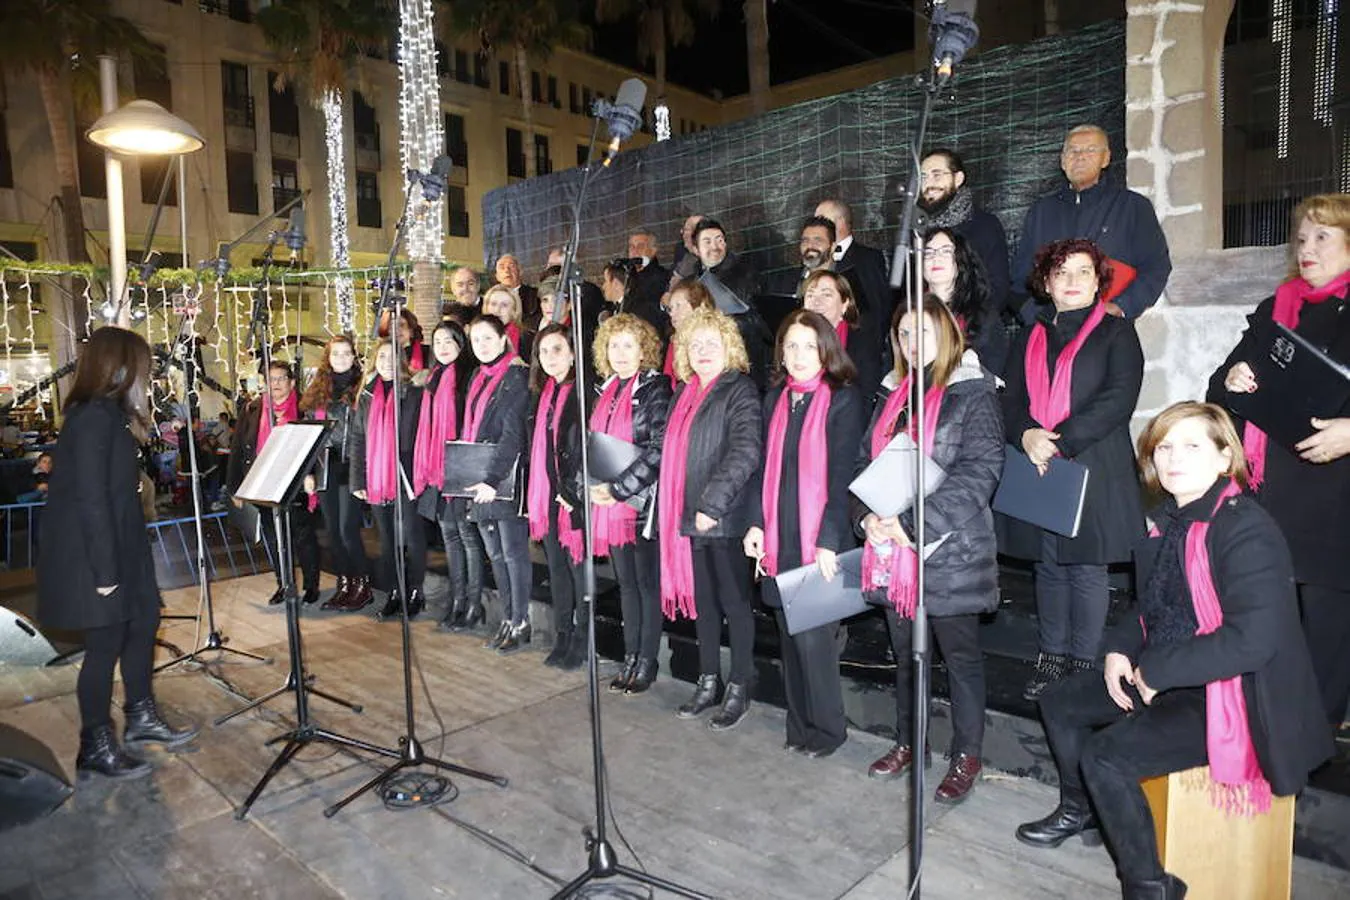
[506,424]
[651,408]
[409,408]
[431,505]
[726,450]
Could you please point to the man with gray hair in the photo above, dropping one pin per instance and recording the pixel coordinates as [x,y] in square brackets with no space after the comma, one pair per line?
[1121,222]
[464,301]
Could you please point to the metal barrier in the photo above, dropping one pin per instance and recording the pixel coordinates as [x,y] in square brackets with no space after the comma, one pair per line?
[20,520]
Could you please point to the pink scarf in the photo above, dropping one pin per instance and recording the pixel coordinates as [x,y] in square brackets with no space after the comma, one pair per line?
[842,331]
[677,557]
[436,424]
[1289,300]
[902,588]
[614,525]
[812,469]
[669,366]
[481,390]
[312,501]
[539,493]
[416,361]
[1050,399]
[513,335]
[381,464]
[289,411]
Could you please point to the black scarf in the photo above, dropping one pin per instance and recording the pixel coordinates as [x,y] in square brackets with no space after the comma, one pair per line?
[953,211]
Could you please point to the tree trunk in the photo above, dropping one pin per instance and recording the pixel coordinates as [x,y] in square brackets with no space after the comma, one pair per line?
[425,295]
[526,107]
[757,43]
[659,48]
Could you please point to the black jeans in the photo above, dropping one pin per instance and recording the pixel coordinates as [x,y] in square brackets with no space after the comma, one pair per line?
[133,644]
[565,581]
[414,545]
[342,516]
[637,567]
[1071,603]
[1326,624]
[304,544]
[463,553]
[507,542]
[958,637]
[722,591]
[1168,736]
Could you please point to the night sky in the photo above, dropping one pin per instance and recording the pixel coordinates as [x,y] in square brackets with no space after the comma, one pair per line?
[800,42]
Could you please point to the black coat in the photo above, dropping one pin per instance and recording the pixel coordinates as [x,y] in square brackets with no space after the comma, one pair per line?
[742,279]
[93,530]
[431,505]
[866,269]
[409,411]
[1260,638]
[725,453]
[1107,375]
[562,458]
[643,296]
[1310,501]
[985,234]
[506,423]
[651,410]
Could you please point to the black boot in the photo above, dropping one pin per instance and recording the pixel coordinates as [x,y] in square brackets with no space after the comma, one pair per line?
[562,645]
[278,597]
[643,676]
[625,676]
[1169,887]
[146,726]
[707,694]
[1050,667]
[360,595]
[734,707]
[341,595]
[417,601]
[100,754]
[516,639]
[503,632]
[392,607]
[581,637]
[311,596]
[454,616]
[1068,819]
[476,616]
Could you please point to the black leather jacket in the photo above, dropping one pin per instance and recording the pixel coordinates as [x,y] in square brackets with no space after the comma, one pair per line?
[726,450]
[651,407]
[409,409]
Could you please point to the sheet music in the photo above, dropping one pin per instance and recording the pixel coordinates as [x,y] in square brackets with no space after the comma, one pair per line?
[279,464]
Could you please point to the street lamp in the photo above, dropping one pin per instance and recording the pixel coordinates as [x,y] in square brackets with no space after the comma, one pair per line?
[144,128]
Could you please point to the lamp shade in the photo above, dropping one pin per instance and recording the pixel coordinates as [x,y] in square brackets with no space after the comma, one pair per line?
[144,128]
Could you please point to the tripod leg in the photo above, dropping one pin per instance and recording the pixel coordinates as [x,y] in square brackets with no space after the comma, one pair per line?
[286,755]
[342,740]
[337,807]
[245,653]
[657,882]
[573,886]
[176,660]
[254,704]
[498,780]
[354,707]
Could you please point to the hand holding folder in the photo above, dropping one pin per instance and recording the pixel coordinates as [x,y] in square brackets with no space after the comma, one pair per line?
[887,486]
[1053,501]
[609,458]
[468,463]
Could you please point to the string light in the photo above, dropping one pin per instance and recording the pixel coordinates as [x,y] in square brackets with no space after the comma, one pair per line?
[339,242]
[662,115]
[421,138]
[1282,34]
[1324,73]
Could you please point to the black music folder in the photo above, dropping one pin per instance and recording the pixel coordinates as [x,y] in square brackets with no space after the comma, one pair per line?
[1296,380]
[468,463]
[610,457]
[1053,501]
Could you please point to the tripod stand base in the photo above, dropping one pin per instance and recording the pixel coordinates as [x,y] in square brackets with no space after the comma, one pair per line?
[290,685]
[604,865]
[214,641]
[411,756]
[296,741]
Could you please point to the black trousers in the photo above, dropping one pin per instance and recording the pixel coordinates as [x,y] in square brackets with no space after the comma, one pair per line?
[958,637]
[342,516]
[565,581]
[414,545]
[722,592]
[637,566]
[1168,736]
[1071,603]
[131,643]
[1326,624]
[304,544]
[464,555]
[815,696]
[507,542]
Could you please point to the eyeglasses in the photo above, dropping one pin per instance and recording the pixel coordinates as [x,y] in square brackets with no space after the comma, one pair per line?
[936,174]
[939,252]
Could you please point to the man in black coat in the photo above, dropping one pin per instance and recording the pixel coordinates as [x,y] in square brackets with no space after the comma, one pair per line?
[466,303]
[816,253]
[946,201]
[1121,222]
[647,278]
[865,266]
[734,284]
[508,275]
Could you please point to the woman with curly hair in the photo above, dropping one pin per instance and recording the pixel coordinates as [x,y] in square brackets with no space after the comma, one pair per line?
[954,273]
[633,405]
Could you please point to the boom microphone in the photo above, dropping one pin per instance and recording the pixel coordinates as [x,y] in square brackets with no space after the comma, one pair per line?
[623,117]
[953,33]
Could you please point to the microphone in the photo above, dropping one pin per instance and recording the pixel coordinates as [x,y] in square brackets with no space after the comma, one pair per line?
[953,33]
[295,231]
[433,183]
[622,117]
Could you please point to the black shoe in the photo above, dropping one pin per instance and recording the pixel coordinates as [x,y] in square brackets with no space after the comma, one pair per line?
[341,595]
[360,595]
[476,616]
[392,607]
[145,725]
[311,596]
[503,632]
[562,645]
[417,602]
[454,616]
[516,639]
[794,747]
[621,681]
[1067,820]
[643,676]
[277,598]
[1169,887]
[734,707]
[1050,667]
[100,754]
[707,694]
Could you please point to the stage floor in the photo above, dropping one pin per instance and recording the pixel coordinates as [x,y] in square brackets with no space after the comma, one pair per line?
[731,815]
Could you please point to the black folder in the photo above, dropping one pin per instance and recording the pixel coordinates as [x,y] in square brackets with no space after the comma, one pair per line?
[468,463]
[1053,501]
[609,456]
[1296,381]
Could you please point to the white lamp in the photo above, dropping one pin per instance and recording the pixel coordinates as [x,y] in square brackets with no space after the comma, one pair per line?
[144,128]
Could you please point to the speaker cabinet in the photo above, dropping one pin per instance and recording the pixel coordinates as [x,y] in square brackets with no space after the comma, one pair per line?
[31,781]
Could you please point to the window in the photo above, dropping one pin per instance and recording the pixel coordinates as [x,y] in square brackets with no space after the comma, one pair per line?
[365,127]
[455,144]
[239,182]
[154,169]
[553,92]
[583,154]
[282,111]
[458,209]
[515,153]
[6,160]
[480,71]
[504,78]
[236,95]
[89,160]
[368,200]
[536,88]
[573,100]
[442,60]
[285,181]
[235,9]
[585,101]
[150,72]
[462,67]
[542,163]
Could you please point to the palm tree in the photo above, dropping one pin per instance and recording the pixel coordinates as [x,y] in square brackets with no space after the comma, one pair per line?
[661,24]
[757,43]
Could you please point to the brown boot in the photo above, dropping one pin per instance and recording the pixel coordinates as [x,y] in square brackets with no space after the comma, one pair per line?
[960,780]
[344,587]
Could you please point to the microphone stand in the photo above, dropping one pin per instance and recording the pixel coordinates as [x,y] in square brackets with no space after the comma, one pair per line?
[410,752]
[601,861]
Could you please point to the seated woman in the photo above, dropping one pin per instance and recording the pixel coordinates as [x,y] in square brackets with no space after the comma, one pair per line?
[1214,669]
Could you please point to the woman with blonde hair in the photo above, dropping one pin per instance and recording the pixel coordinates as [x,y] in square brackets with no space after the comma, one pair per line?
[502,302]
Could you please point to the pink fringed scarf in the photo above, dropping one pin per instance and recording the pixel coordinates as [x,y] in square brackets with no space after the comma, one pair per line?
[902,587]
[1050,399]
[539,493]
[381,463]
[677,558]
[289,411]
[614,525]
[513,335]
[417,358]
[812,469]
[436,423]
[1289,300]
[481,390]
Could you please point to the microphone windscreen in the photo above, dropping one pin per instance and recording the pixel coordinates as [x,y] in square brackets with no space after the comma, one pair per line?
[632,93]
[297,224]
[442,165]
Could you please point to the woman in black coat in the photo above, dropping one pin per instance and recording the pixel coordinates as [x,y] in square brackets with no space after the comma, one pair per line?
[381,479]
[955,274]
[962,574]
[813,419]
[1214,669]
[496,411]
[94,572]
[633,405]
[1074,339]
[713,447]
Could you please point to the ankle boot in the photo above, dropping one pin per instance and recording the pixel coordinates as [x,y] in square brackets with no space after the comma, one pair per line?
[360,595]
[1050,668]
[278,597]
[1169,887]
[503,632]
[734,707]
[417,602]
[562,645]
[311,595]
[577,650]
[643,676]
[516,639]
[145,725]
[100,754]
[1069,818]
[707,694]
[340,596]
[625,676]
[392,607]
[475,616]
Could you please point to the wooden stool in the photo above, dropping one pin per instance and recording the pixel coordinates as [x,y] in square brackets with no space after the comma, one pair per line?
[1219,856]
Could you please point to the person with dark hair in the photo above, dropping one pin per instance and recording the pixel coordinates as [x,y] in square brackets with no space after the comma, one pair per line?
[815,250]
[1073,382]
[953,272]
[553,506]
[799,512]
[95,572]
[734,283]
[1212,671]
[410,337]
[381,477]
[831,295]
[331,397]
[866,267]
[496,411]
[633,406]
[712,449]
[279,405]
[963,433]
[947,202]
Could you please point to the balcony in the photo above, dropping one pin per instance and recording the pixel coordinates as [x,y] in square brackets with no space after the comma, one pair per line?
[283,195]
[287,145]
[368,150]
[240,124]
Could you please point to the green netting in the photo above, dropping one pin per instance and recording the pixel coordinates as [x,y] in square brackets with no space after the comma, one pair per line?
[761,177]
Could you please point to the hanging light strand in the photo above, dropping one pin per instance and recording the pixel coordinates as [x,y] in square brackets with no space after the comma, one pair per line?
[421,135]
